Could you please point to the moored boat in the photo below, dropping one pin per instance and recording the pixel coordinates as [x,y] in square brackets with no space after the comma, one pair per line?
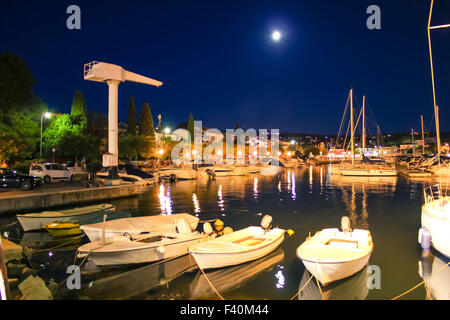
[35,221]
[145,248]
[63,229]
[269,170]
[435,220]
[332,255]
[136,225]
[238,247]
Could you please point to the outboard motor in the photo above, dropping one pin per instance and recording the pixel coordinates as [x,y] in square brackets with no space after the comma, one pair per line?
[345,225]
[266,223]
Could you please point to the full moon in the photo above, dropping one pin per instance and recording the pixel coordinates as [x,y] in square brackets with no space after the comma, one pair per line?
[276,35]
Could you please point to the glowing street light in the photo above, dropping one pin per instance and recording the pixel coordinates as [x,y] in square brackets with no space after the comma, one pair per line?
[167,130]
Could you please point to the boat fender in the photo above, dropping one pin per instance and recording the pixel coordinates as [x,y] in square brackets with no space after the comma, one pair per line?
[219,225]
[290,232]
[424,238]
[266,222]
[227,230]
[183,226]
[207,229]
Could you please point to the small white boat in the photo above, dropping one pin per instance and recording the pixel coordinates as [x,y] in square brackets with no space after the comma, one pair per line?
[332,255]
[136,225]
[368,172]
[269,170]
[145,248]
[178,173]
[35,221]
[238,247]
[436,219]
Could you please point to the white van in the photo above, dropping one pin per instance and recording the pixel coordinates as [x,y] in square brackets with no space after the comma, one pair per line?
[50,172]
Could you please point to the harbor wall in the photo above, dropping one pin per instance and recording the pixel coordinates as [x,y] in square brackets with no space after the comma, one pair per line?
[36,202]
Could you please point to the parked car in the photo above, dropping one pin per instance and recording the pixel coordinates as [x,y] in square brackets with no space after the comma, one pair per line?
[50,172]
[11,179]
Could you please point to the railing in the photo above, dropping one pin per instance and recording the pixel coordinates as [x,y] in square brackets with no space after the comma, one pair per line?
[431,193]
[88,67]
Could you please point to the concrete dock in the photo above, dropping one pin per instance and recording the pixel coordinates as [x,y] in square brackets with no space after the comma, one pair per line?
[61,195]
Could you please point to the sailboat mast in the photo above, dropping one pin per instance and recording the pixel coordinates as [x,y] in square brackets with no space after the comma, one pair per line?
[436,109]
[423,136]
[352,127]
[364,126]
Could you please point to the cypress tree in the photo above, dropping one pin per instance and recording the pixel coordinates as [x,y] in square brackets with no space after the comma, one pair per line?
[78,113]
[131,117]
[146,121]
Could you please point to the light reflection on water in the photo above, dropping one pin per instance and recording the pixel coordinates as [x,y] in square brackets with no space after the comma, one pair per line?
[304,200]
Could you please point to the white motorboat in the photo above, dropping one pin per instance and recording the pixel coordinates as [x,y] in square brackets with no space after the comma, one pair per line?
[436,220]
[238,247]
[136,225]
[35,221]
[178,173]
[368,171]
[225,171]
[332,255]
[269,170]
[144,248]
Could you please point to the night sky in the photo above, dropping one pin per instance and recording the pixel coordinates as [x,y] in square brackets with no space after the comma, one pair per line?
[217,59]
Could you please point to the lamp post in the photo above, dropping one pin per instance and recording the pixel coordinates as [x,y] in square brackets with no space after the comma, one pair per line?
[47,115]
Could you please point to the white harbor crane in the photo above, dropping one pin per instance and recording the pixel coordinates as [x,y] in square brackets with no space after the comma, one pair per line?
[113,75]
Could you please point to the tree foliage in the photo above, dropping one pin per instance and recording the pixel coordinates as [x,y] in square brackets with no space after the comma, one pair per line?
[146,121]
[78,114]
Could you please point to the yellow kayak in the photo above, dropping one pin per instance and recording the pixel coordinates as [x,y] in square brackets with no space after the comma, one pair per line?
[63,229]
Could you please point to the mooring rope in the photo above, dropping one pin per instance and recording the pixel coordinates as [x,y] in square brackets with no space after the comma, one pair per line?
[418,285]
[302,288]
[78,268]
[209,282]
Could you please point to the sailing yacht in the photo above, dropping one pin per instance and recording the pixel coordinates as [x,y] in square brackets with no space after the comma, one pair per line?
[362,169]
[435,216]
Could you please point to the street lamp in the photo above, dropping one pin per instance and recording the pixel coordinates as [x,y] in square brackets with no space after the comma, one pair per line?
[46,115]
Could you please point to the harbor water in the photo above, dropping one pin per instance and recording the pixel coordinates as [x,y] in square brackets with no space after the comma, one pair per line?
[305,200]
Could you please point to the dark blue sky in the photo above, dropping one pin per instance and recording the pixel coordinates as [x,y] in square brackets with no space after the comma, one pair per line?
[217,60]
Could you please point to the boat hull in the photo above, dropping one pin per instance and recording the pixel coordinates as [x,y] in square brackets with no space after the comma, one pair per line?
[438,226]
[269,171]
[369,172]
[327,272]
[138,255]
[36,222]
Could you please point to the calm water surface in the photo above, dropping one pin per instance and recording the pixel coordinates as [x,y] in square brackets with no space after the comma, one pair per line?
[304,200]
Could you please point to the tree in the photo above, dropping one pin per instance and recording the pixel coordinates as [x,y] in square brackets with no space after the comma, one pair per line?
[131,117]
[78,113]
[190,126]
[16,83]
[146,121]
[59,127]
